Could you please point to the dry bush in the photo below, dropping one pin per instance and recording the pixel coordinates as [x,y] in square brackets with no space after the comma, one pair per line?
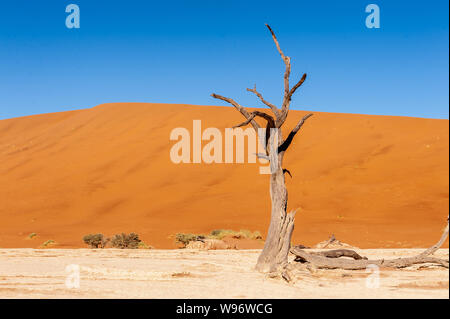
[210,244]
[31,236]
[126,241]
[243,233]
[96,240]
[219,234]
[187,238]
[48,243]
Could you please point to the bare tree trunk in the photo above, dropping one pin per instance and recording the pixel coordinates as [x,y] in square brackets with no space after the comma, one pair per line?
[277,245]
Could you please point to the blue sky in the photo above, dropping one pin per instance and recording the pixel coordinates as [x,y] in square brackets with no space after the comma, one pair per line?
[182,51]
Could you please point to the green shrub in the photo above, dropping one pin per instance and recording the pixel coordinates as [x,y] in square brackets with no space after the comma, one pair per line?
[96,240]
[126,241]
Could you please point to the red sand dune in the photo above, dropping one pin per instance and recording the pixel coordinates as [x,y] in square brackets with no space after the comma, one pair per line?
[373,181]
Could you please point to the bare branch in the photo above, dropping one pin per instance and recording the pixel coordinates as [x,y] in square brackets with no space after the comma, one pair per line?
[287,101]
[323,260]
[287,72]
[267,117]
[272,107]
[285,58]
[283,147]
[295,87]
[242,110]
[285,170]
[338,263]
[436,246]
[336,253]
[270,124]
[252,116]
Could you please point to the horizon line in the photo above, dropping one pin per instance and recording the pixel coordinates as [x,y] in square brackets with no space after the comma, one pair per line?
[227,106]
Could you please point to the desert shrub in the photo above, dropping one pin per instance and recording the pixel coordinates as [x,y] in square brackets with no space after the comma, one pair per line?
[221,233]
[243,233]
[32,235]
[256,235]
[126,241]
[48,243]
[96,240]
[216,232]
[186,238]
[250,235]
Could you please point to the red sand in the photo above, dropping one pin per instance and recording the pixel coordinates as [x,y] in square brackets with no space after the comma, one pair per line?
[373,181]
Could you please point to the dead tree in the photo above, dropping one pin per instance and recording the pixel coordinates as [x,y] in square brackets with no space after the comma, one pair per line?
[274,255]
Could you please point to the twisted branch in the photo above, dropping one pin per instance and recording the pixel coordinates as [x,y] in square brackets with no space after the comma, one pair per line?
[241,109]
[272,107]
[323,260]
[284,146]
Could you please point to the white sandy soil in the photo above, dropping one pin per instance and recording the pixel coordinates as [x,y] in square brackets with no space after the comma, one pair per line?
[114,273]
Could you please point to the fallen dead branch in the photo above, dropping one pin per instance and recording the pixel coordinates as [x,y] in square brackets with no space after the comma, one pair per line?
[336,253]
[331,259]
